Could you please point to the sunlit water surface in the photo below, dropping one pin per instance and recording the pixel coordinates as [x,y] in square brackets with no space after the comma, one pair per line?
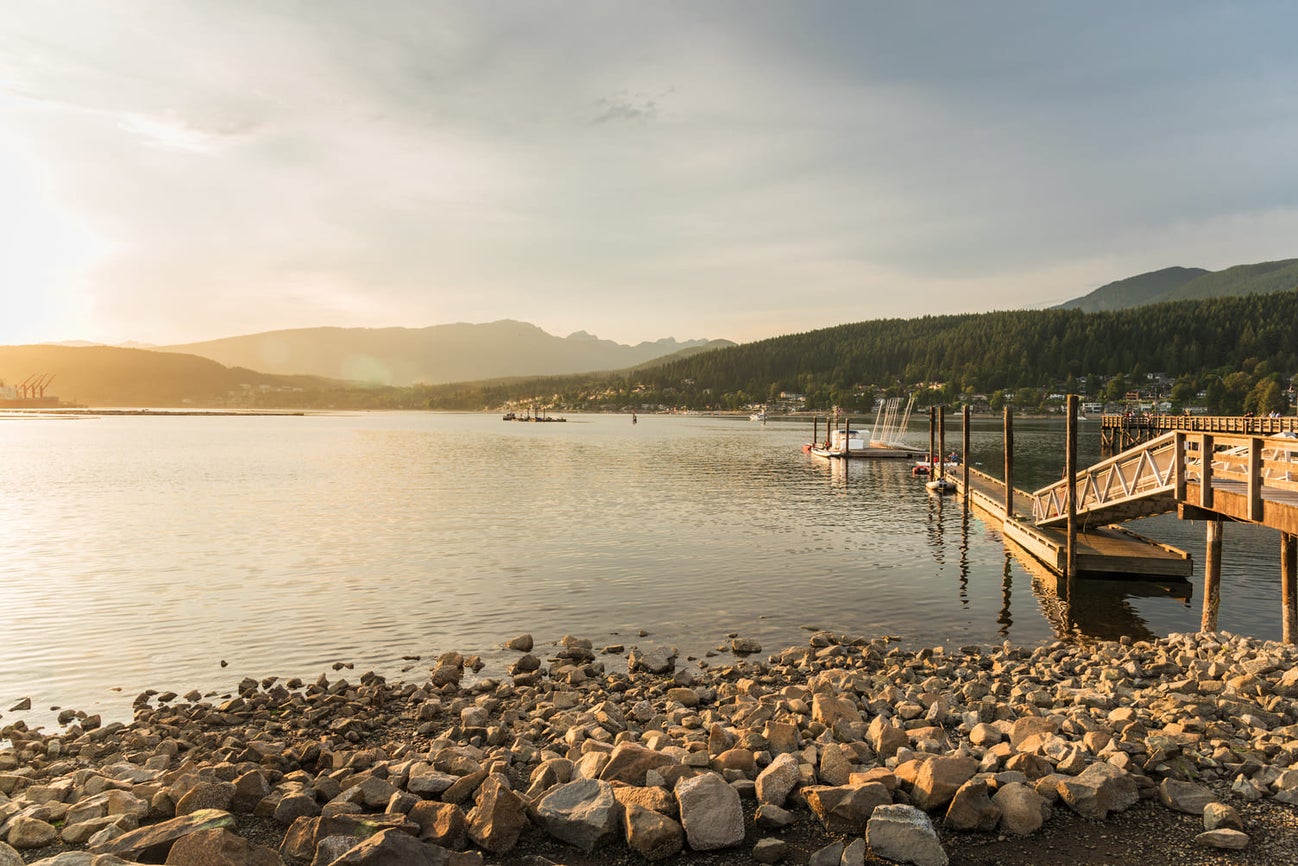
[141,552]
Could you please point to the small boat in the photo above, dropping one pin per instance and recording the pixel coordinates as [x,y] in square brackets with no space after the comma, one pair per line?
[758,416]
[941,485]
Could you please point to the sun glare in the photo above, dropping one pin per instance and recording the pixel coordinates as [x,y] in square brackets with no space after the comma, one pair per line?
[47,253]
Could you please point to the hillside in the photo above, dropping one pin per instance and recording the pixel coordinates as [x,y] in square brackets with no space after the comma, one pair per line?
[111,376]
[1134,291]
[432,355]
[1189,284]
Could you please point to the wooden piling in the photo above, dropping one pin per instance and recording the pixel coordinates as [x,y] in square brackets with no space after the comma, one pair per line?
[964,457]
[815,429]
[1289,587]
[1009,462]
[1212,577]
[932,424]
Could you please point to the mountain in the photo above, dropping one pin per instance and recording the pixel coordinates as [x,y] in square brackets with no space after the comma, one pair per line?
[432,355]
[113,376]
[1189,284]
[1134,291]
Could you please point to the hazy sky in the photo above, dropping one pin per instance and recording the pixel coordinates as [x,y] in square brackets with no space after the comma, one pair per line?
[182,169]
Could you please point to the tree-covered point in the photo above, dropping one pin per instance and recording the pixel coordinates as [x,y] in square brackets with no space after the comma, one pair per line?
[1230,348]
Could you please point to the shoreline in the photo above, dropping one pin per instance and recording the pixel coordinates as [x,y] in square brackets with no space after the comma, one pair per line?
[994,754]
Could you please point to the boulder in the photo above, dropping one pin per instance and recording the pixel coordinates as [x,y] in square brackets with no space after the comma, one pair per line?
[1231,840]
[393,848]
[770,850]
[302,838]
[904,834]
[847,808]
[1184,796]
[9,857]
[710,812]
[1220,816]
[629,762]
[1098,790]
[652,835]
[28,832]
[220,847]
[206,795]
[154,842]
[656,660]
[582,813]
[939,778]
[440,823]
[972,808]
[779,778]
[498,819]
[1023,810]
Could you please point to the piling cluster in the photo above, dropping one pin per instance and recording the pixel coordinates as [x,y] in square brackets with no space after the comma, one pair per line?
[876,750]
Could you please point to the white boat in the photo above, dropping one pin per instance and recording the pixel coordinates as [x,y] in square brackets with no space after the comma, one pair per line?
[885,443]
[758,416]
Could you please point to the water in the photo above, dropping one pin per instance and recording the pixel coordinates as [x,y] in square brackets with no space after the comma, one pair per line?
[141,552]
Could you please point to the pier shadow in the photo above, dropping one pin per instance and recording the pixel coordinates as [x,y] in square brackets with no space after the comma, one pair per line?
[1100,606]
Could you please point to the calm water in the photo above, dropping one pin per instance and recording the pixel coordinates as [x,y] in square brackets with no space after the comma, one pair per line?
[140,552]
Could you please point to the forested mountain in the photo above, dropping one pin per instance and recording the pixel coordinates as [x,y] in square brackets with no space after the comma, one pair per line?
[966,354]
[441,353]
[1188,284]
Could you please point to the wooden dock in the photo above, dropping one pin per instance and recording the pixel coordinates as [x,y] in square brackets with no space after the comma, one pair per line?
[1108,550]
[1202,468]
[1120,432]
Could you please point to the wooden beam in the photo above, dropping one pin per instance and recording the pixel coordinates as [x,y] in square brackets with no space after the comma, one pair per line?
[1205,489]
[1070,475]
[1255,479]
[964,458]
[1009,462]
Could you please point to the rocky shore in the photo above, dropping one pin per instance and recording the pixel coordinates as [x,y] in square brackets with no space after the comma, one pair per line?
[838,753]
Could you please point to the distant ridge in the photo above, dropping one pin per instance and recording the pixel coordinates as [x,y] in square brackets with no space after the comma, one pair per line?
[434,355]
[1189,284]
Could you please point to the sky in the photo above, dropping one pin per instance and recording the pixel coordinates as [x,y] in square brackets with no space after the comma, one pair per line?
[182,170]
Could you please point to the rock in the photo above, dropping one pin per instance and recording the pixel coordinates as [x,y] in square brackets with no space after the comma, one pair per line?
[745,646]
[302,838]
[1023,810]
[830,855]
[654,799]
[656,660]
[769,817]
[9,857]
[652,835]
[846,809]
[854,853]
[770,850]
[154,842]
[835,768]
[393,848]
[1098,790]
[522,643]
[220,847]
[939,778]
[779,778]
[885,737]
[710,812]
[904,834]
[582,813]
[295,805]
[1219,816]
[206,795]
[24,704]
[440,823]
[1029,726]
[27,832]
[629,762]
[1232,840]
[1184,796]
[496,822]
[972,808]
[249,790]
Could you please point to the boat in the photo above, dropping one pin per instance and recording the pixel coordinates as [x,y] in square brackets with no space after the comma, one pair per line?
[758,416]
[849,442]
[940,485]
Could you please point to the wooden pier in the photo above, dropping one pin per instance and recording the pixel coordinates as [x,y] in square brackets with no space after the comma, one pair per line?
[1120,432]
[1199,467]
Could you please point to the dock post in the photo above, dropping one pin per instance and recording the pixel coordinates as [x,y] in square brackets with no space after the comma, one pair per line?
[1289,588]
[1009,462]
[964,457]
[1070,472]
[941,441]
[1212,577]
[932,425]
[815,429]
[847,440]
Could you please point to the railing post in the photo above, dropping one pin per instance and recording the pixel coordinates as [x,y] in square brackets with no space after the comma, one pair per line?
[1178,455]
[1212,577]
[941,441]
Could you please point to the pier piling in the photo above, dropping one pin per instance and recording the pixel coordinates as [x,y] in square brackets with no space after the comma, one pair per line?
[1212,577]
